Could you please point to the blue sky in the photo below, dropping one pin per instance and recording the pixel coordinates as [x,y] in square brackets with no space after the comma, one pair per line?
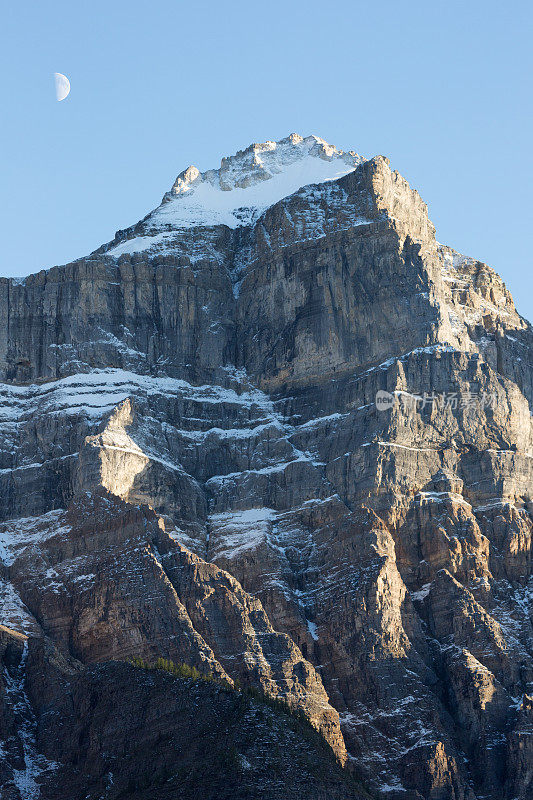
[442,88]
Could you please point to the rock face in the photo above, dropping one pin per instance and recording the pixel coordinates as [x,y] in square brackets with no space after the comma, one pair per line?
[113,730]
[277,431]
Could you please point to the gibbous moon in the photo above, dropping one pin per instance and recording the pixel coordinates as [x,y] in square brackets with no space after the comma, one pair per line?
[62,86]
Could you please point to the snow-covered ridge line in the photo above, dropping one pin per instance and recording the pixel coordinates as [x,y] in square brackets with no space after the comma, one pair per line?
[261,162]
[94,392]
[101,389]
[166,243]
[244,186]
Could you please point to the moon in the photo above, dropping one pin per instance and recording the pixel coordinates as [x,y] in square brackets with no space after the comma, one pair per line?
[62,86]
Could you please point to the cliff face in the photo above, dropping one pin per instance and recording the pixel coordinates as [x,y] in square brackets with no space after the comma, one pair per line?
[328,416]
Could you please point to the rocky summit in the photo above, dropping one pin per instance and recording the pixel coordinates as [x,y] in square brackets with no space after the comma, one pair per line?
[266,480]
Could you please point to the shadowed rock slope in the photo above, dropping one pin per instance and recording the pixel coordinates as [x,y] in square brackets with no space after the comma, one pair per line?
[116,731]
[195,464]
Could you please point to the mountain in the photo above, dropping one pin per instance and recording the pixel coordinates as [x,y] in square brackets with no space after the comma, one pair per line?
[276,432]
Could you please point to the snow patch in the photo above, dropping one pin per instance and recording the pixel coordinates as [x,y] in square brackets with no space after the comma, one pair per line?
[36,765]
[312,628]
[14,614]
[234,533]
[421,593]
[18,534]
[138,244]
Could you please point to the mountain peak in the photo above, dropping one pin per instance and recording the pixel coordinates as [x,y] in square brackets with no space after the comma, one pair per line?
[262,161]
[239,191]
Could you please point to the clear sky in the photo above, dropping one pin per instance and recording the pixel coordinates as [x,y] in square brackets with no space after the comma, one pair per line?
[443,89]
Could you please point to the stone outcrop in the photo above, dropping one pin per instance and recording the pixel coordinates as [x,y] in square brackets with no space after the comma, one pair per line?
[292,448]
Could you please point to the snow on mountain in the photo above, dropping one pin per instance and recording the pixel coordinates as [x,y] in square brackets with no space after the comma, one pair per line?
[245,185]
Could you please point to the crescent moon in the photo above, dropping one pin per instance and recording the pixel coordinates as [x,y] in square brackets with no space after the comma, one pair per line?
[62,86]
